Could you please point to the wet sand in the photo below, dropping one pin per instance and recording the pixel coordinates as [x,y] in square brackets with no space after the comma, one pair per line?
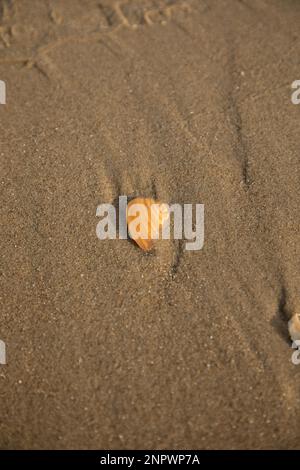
[189,102]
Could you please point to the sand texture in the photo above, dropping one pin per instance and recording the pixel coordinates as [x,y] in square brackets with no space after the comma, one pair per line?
[183,101]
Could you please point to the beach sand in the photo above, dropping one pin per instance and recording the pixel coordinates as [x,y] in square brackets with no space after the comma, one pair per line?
[188,102]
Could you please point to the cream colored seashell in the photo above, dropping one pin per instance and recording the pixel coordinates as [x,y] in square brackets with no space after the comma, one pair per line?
[294,327]
[145,219]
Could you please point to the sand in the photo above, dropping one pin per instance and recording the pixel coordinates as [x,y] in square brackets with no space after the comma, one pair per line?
[188,102]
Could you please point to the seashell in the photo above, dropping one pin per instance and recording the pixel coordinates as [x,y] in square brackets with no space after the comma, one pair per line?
[145,219]
[294,327]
